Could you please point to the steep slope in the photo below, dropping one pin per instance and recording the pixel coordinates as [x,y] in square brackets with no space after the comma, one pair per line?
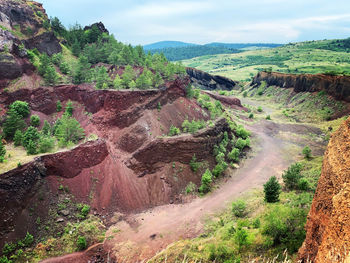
[204,80]
[336,86]
[328,225]
[129,169]
[22,27]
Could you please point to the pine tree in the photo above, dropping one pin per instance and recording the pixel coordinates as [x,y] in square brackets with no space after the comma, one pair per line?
[58,106]
[31,134]
[46,130]
[2,150]
[272,190]
[117,82]
[13,122]
[17,139]
[128,76]
[31,147]
[69,108]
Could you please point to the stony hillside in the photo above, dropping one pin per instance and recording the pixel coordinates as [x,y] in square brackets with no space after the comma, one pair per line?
[328,231]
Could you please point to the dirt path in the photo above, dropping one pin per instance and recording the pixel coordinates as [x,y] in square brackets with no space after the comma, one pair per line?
[141,236]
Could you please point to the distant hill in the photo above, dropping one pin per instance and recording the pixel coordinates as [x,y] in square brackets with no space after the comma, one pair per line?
[321,56]
[181,53]
[167,44]
[244,45]
[177,50]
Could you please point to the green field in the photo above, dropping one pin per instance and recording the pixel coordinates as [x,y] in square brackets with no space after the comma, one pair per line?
[307,57]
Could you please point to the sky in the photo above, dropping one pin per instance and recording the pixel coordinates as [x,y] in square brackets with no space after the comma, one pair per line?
[205,21]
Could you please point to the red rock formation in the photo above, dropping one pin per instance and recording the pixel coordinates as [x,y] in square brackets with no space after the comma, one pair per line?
[328,225]
[335,86]
[131,170]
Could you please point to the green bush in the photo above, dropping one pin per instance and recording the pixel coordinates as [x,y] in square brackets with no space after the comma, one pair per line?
[304,184]
[285,226]
[190,188]
[31,147]
[260,109]
[2,150]
[239,208]
[189,91]
[31,134]
[58,106]
[13,123]
[21,108]
[4,259]
[207,179]
[219,169]
[194,164]
[272,190]
[307,152]
[192,126]
[251,116]
[46,130]
[174,131]
[292,176]
[35,120]
[241,132]
[234,155]
[81,243]
[268,117]
[69,109]
[68,130]
[17,139]
[46,144]
[241,237]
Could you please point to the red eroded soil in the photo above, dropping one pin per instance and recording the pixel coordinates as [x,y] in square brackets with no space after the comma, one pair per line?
[131,167]
[140,236]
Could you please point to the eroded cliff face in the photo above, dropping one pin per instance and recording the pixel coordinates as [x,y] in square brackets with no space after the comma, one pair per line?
[336,86]
[129,169]
[210,82]
[22,28]
[328,224]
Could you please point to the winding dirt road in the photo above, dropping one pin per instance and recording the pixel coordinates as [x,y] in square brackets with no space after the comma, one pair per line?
[141,236]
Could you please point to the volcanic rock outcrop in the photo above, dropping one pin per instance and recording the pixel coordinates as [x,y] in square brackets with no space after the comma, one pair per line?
[328,225]
[336,86]
[210,82]
[129,169]
[22,28]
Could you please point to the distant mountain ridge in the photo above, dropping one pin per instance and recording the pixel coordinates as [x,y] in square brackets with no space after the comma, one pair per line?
[177,44]
[177,50]
[167,44]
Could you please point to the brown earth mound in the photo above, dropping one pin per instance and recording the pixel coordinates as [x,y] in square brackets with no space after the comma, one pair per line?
[328,225]
[130,169]
[336,86]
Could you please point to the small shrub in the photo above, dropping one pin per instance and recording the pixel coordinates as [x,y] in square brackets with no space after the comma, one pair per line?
[190,188]
[234,155]
[58,106]
[219,169]
[159,107]
[303,184]
[268,117]
[46,144]
[292,176]
[35,120]
[307,152]
[21,107]
[69,109]
[81,243]
[260,109]
[207,179]
[174,131]
[239,208]
[251,116]
[241,238]
[2,150]
[194,164]
[17,139]
[245,94]
[272,190]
